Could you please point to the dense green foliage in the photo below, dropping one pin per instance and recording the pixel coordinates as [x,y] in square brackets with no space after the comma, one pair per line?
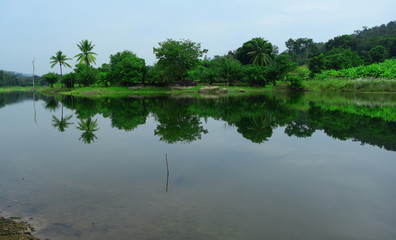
[386,70]
[60,58]
[126,69]
[257,51]
[256,63]
[50,78]
[84,76]
[302,49]
[175,58]
[17,79]
[86,54]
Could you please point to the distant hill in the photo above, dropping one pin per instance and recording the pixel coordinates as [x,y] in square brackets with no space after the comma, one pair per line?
[11,78]
[22,74]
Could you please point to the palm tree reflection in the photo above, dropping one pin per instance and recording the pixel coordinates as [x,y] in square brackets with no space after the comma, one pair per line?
[88,127]
[63,122]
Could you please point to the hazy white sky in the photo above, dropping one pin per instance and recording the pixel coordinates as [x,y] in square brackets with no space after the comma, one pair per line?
[39,28]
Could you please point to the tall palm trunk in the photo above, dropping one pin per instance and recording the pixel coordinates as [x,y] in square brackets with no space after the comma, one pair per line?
[60,66]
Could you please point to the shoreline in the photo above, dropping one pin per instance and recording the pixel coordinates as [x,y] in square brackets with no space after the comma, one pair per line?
[330,85]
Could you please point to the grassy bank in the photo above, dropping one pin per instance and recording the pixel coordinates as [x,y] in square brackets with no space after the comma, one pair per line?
[354,85]
[328,85]
[149,90]
[18,89]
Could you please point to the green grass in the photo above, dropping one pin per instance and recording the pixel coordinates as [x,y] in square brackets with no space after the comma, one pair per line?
[357,85]
[18,89]
[95,91]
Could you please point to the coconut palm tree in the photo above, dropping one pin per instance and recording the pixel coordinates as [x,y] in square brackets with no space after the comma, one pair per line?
[60,58]
[259,52]
[86,54]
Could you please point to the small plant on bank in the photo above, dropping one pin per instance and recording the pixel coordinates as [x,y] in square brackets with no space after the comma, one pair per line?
[295,82]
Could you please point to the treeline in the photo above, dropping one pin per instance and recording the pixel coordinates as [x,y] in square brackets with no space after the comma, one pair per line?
[257,62]
[363,47]
[17,79]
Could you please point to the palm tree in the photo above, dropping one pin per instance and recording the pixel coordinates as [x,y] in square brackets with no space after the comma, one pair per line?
[259,52]
[60,58]
[86,54]
[89,126]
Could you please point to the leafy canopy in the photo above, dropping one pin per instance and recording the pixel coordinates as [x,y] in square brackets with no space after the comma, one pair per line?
[177,57]
[86,54]
[126,68]
[59,58]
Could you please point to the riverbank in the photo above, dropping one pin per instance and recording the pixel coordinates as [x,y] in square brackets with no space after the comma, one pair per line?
[355,85]
[19,89]
[328,85]
[150,90]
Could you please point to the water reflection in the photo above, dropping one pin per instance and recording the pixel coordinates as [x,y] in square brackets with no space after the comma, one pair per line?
[89,127]
[62,123]
[369,119]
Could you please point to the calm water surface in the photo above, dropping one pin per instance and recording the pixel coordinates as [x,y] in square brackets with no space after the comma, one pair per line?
[256,167]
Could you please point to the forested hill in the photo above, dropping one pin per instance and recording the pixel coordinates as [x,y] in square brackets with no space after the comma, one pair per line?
[16,79]
[368,38]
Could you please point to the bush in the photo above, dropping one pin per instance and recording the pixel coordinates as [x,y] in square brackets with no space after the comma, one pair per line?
[295,82]
[68,80]
[50,78]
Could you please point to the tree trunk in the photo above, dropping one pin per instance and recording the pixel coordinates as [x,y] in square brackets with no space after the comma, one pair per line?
[33,71]
[60,66]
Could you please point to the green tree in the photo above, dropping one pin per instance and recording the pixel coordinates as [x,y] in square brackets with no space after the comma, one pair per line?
[178,57]
[256,51]
[69,79]
[302,49]
[230,69]
[279,68]
[341,58]
[344,41]
[255,75]
[60,58]
[86,54]
[126,68]
[316,64]
[83,76]
[377,54]
[50,78]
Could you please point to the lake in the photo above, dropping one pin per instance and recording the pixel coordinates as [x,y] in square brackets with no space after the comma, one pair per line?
[270,166]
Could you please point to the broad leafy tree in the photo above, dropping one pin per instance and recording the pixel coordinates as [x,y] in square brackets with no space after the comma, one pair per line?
[175,58]
[302,49]
[377,54]
[50,78]
[126,68]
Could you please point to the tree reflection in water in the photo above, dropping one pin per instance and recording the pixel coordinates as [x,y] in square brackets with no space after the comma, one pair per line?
[369,119]
[89,127]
